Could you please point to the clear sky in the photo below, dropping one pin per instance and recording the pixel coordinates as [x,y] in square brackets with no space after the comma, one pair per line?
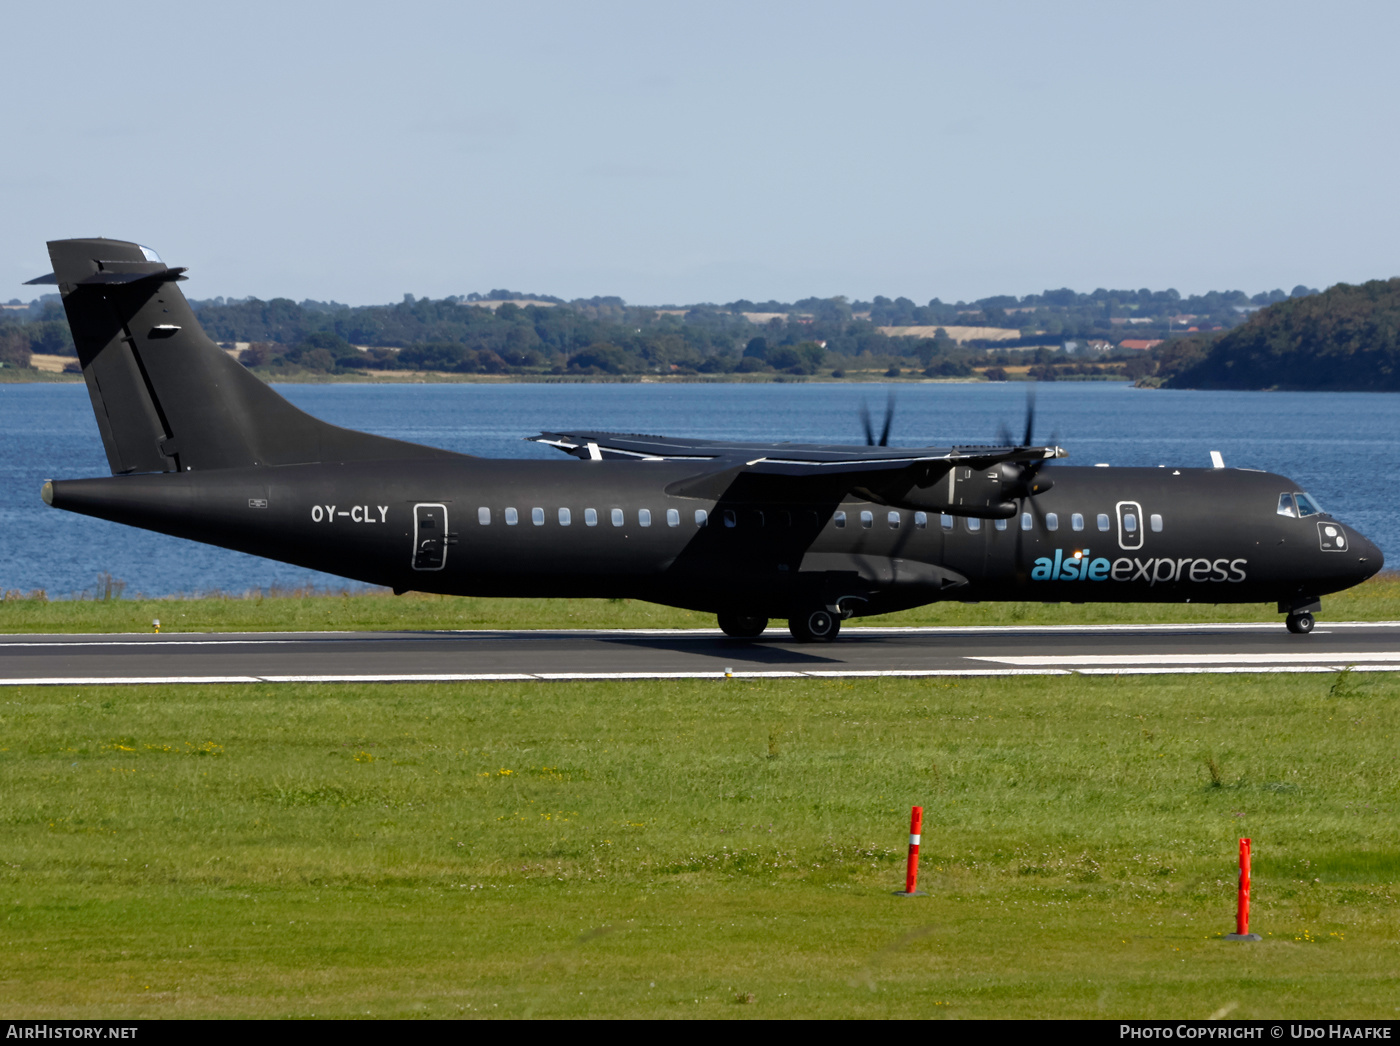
[686,152]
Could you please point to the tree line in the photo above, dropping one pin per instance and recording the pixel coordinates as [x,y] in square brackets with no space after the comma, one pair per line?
[606,335]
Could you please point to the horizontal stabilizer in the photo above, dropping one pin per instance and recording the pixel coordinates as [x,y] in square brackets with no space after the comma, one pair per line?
[132,277]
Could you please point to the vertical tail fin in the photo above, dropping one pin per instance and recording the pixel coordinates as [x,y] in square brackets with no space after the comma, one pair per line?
[167,398]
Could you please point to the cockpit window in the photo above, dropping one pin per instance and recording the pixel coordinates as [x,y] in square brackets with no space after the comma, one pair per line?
[1286,506]
[150,255]
[1306,505]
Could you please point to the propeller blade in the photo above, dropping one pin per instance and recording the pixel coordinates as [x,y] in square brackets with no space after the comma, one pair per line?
[1030,416]
[865,421]
[889,420]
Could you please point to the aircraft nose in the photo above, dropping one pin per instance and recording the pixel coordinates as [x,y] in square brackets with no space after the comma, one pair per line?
[1367,558]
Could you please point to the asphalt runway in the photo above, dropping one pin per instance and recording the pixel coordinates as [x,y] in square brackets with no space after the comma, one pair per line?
[335,657]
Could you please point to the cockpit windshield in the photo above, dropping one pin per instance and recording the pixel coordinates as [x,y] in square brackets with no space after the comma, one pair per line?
[1306,505]
[1298,504]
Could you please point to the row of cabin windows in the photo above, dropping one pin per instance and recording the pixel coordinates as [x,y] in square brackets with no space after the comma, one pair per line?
[1052,521]
[867,519]
[590,517]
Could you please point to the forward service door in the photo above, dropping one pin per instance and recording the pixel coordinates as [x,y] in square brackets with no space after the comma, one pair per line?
[1130,525]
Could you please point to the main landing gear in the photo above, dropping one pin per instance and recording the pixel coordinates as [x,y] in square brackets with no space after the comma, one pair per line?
[742,626]
[814,625]
[1299,624]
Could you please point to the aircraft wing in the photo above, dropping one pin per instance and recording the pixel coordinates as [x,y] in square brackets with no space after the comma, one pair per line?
[786,459]
[797,471]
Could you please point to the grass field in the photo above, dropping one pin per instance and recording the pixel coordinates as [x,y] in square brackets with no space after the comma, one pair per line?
[1375,600]
[701,848]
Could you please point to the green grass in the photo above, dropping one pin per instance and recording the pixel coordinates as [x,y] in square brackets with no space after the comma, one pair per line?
[674,848]
[1375,600]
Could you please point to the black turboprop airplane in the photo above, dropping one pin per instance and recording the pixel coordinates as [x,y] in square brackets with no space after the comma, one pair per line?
[201,449]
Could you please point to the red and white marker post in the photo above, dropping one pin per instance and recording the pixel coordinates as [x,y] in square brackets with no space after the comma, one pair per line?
[1242,900]
[911,869]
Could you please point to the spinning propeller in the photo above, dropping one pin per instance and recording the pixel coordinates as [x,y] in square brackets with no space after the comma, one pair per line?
[884,432]
[1028,484]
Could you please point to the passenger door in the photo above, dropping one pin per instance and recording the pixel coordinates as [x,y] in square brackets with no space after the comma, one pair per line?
[430,536]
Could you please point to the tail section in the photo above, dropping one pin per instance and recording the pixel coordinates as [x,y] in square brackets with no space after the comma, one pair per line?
[167,398]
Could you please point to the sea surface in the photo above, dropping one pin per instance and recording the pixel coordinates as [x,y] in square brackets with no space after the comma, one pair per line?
[1342,447]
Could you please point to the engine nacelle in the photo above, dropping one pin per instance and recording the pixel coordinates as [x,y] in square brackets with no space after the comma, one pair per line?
[989,493]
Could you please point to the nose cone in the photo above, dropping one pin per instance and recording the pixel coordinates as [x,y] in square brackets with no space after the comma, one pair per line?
[1367,558]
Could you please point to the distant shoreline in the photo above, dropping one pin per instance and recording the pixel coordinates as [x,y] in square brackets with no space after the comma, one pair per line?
[29,376]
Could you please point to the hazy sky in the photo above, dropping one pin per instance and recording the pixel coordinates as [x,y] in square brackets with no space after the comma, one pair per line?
[685,152]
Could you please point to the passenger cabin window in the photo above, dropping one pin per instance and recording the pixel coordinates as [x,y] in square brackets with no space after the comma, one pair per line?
[1076,521]
[537,516]
[1306,505]
[1000,524]
[512,517]
[1102,520]
[702,518]
[1155,522]
[730,520]
[1285,505]
[673,517]
[617,517]
[1130,522]
[945,521]
[644,516]
[838,519]
[1052,521]
[590,517]
[974,524]
[1026,521]
[867,520]
[565,517]
[920,520]
[483,516]
[893,519]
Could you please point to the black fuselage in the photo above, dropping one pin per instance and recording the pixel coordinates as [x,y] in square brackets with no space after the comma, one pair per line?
[469,526]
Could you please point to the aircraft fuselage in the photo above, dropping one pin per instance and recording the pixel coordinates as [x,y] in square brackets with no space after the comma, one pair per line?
[488,527]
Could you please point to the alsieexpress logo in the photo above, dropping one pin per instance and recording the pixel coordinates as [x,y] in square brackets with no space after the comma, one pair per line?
[1079,566]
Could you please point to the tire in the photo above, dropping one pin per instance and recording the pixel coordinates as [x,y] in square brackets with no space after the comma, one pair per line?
[815,625]
[1300,624]
[742,626]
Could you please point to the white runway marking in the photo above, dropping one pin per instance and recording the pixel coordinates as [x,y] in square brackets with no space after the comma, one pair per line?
[1099,660]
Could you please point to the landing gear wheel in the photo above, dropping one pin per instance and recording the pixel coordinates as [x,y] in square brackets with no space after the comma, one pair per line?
[1300,624]
[814,626]
[742,626]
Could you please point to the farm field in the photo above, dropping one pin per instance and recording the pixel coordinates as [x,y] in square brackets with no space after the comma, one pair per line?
[701,848]
[1375,600]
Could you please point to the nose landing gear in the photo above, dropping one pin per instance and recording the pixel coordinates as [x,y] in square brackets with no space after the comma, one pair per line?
[1299,624]
[1300,613]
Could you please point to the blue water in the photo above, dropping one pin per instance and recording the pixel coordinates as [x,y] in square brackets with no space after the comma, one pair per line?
[1342,447]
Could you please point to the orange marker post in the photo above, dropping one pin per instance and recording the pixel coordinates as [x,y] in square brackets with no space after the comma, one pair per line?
[911,868]
[1242,901]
